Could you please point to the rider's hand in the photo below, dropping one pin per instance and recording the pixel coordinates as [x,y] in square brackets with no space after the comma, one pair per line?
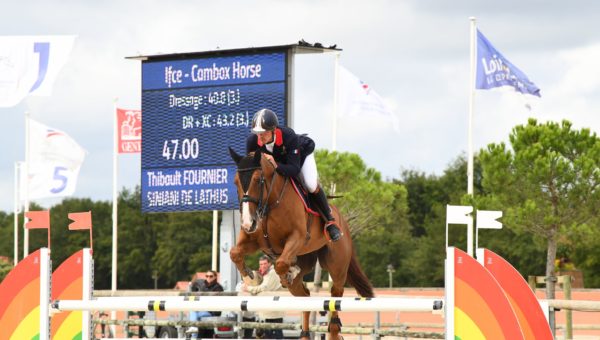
[270,159]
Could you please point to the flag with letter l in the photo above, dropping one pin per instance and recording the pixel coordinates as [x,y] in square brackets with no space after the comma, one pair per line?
[494,70]
[29,65]
[81,220]
[38,219]
[358,99]
[54,162]
[129,126]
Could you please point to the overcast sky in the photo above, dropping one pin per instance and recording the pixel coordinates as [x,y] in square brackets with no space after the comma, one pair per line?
[415,54]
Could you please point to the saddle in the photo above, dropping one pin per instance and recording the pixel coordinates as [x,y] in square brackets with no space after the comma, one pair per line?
[309,205]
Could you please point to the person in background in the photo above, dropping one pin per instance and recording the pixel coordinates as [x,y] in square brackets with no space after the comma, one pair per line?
[270,282]
[208,284]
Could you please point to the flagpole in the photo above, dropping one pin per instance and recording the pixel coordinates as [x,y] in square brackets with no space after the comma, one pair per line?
[115,201]
[16,213]
[26,194]
[471,105]
[115,198]
[335,101]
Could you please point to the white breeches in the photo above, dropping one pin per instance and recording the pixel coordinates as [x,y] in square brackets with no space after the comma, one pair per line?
[308,173]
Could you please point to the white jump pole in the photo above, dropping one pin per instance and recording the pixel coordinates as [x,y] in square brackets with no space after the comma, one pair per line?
[251,303]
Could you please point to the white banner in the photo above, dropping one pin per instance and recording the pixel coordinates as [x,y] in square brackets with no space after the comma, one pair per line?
[486,219]
[54,162]
[30,65]
[459,214]
[358,99]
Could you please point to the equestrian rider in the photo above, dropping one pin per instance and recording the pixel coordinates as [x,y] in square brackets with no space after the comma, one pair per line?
[292,156]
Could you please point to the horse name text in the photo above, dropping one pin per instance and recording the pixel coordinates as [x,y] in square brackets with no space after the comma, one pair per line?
[196,197]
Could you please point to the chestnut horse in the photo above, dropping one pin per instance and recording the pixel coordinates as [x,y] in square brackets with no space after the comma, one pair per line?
[275,221]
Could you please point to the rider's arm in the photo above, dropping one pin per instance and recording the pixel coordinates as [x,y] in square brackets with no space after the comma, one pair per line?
[293,159]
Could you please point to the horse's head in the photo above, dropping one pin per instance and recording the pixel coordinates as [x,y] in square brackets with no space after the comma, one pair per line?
[251,180]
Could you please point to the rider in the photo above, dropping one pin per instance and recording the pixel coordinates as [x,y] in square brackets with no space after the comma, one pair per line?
[292,156]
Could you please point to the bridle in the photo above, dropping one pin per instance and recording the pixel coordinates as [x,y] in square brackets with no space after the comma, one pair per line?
[262,202]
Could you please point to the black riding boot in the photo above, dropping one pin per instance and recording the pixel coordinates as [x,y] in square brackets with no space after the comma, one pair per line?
[331,227]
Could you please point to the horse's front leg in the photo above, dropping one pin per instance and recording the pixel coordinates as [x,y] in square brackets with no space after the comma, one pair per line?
[245,245]
[288,258]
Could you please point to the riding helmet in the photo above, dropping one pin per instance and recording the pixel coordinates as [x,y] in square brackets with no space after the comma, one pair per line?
[264,120]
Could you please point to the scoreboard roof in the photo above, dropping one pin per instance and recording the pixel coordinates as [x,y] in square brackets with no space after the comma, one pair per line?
[300,48]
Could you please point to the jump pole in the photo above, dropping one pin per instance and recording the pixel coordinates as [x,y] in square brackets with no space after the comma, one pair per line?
[251,303]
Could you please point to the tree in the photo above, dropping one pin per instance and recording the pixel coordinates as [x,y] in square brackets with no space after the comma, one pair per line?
[366,200]
[376,211]
[428,196]
[547,184]
[5,268]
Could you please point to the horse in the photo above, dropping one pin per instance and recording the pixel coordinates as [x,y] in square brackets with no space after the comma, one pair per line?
[275,221]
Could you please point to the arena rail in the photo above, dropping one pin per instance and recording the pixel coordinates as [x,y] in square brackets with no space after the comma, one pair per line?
[578,305]
[398,332]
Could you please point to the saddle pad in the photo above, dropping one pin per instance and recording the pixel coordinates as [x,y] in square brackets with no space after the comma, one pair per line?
[303,194]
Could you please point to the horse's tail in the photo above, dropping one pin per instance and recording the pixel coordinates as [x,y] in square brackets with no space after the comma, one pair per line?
[357,279]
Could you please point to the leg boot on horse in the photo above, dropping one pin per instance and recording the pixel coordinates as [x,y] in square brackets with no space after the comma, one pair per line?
[330,226]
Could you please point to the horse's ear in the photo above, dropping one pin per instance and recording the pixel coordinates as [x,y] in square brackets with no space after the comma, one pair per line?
[257,155]
[236,158]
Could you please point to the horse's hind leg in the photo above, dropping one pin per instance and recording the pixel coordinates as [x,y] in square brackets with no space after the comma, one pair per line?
[335,323]
[335,259]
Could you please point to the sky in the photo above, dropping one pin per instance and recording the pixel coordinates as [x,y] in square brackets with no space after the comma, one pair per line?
[413,53]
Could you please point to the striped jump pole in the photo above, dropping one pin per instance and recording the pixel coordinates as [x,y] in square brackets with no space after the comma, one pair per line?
[251,303]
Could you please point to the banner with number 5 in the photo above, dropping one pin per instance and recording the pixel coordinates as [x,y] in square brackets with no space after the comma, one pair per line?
[54,162]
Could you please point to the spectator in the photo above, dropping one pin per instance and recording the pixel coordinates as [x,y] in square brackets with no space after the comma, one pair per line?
[270,282]
[209,284]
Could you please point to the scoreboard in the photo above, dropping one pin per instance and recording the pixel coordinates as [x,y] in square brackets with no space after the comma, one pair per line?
[194,108]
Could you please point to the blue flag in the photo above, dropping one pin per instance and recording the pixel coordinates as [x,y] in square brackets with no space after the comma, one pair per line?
[494,70]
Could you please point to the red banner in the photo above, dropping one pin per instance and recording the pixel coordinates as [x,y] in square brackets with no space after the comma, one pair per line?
[38,219]
[81,220]
[129,125]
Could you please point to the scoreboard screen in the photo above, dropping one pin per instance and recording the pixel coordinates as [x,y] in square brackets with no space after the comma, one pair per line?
[193,110]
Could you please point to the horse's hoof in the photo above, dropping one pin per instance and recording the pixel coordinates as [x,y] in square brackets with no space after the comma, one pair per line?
[288,279]
[292,273]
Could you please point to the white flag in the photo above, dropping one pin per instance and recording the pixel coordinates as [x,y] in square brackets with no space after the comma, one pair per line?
[459,214]
[358,99]
[486,219]
[54,162]
[29,65]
